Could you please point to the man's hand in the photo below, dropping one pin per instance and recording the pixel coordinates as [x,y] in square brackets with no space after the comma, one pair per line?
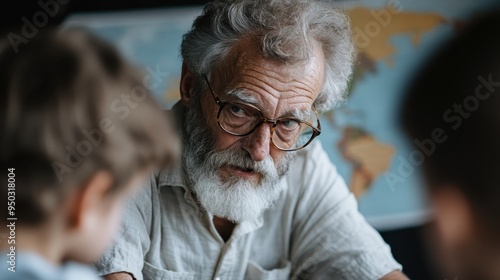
[120,276]
[395,275]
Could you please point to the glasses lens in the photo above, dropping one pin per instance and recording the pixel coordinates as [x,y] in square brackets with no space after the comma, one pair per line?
[238,118]
[291,134]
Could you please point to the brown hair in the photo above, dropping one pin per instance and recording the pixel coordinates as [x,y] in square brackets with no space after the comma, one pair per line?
[70,106]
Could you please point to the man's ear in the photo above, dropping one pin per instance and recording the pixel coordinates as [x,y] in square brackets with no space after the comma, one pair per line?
[186,85]
[454,217]
[88,200]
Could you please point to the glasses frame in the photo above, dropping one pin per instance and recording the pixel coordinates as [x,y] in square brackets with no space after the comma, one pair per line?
[222,103]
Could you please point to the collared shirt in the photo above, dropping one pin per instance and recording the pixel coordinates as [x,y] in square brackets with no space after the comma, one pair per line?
[314,231]
[30,266]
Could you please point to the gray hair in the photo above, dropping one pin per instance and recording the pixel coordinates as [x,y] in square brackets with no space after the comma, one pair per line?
[287,30]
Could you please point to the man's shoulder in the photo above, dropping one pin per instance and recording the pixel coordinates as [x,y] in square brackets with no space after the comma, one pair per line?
[311,160]
[314,187]
[312,173]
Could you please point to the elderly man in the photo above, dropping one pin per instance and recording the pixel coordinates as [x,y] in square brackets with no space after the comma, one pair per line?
[255,196]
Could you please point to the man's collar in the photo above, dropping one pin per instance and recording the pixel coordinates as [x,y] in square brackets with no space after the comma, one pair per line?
[172,176]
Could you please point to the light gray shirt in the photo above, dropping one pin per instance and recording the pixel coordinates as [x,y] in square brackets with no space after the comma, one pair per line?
[314,231]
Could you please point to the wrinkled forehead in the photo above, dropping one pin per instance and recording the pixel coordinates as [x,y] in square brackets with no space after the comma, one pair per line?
[272,85]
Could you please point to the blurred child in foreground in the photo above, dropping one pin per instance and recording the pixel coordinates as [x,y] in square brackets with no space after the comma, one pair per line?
[79,133]
[453,110]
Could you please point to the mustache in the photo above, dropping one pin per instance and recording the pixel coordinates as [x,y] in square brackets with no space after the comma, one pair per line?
[237,157]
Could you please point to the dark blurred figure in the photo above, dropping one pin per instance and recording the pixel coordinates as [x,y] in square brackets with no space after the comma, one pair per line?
[452,115]
[80,132]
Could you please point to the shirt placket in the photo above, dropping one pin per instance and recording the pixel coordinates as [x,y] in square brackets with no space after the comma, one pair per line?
[235,251]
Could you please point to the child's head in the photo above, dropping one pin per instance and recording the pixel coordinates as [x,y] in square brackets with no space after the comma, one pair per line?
[81,130]
[452,115]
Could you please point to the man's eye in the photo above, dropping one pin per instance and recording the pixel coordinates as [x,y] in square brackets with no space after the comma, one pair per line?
[289,124]
[237,110]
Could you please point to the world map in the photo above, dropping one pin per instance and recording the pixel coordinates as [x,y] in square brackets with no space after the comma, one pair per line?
[372,30]
[362,135]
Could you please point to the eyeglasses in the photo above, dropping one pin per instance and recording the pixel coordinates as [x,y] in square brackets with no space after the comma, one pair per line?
[241,119]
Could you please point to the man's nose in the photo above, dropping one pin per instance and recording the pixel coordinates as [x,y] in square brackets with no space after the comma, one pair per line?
[258,143]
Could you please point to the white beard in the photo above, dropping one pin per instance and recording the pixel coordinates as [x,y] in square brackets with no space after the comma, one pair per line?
[236,199]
